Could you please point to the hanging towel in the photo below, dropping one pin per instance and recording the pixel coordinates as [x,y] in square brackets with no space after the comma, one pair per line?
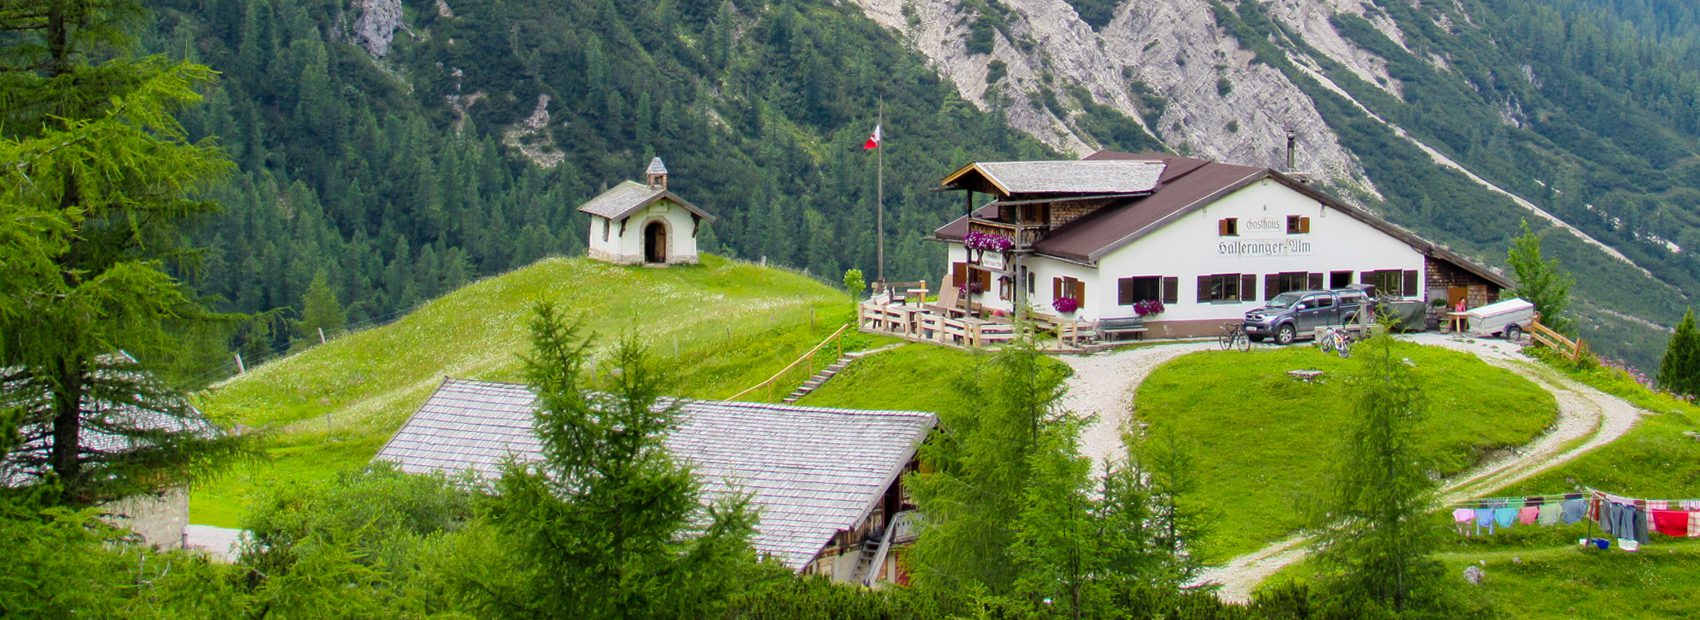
[1528,514]
[1694,524]
[1466,515]
[1550,513]
[1573,509]
[1638,524]
[1484,517]
[1608,517]
[1671,522]
[1505,516]
[1658,504]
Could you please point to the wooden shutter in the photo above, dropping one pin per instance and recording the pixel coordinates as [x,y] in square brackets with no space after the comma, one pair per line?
[1203,288]
[1315,281]
[1271,286]
[1411,283]
[1056,288]
[1080,292]
[1248,287]
[1304,225]
[1222,227]
[1124,292]
[1171,290]
[959,275]
[984,278]
[1366,277]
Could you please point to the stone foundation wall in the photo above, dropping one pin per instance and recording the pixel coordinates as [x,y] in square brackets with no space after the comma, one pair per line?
[158,518]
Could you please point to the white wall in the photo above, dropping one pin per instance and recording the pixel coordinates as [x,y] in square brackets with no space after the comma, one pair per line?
[628,247]
[1190,247]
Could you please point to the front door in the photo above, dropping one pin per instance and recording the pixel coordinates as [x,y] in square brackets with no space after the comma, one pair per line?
[655,243]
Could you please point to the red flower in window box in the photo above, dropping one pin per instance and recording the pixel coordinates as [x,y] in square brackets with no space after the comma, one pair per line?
[1066,305]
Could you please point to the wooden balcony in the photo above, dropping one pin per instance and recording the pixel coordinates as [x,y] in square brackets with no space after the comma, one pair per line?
[1024,235]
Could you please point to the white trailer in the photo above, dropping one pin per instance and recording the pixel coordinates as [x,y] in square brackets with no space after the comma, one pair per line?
[1509,318]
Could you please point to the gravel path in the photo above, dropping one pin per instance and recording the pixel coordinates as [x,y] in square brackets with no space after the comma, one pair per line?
[1584,413]
[1102,388]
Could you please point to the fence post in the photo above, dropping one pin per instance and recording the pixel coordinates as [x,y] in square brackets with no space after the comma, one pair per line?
[321,335]
[240,369]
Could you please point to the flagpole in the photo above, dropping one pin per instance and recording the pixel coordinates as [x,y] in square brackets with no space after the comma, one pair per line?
[879,191]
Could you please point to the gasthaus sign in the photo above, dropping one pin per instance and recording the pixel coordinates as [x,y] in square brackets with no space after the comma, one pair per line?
[1264,247]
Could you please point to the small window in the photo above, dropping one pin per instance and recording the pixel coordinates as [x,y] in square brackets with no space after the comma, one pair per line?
[1393,282]
[1228,227]
[1339,279]
[1130,291]
[1006,288]
[1298,225]
[1219,287]
[1066,287]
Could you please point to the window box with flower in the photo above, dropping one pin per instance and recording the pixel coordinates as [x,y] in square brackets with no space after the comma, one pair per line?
[1148,307]
[1065,305]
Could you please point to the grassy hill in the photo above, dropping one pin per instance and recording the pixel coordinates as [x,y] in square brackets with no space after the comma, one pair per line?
[727,325]
[1262,441]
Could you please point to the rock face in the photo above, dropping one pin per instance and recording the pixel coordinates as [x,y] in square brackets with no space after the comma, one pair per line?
[1215,102]
[376,26]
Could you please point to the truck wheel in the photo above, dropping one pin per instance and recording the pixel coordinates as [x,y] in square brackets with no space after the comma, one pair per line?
[1514,333]
[1285,334]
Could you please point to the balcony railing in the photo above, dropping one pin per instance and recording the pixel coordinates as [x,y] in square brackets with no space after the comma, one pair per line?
[1024,235]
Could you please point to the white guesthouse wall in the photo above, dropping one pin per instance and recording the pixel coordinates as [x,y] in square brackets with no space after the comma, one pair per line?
[1190,247]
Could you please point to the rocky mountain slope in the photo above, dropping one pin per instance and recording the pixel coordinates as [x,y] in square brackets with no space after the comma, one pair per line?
[1442,116]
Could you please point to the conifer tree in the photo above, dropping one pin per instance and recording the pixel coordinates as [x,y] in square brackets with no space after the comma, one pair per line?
[1374,533]
[1540,281]
[1679,370]
[319,311]
[608,524]
[97,163]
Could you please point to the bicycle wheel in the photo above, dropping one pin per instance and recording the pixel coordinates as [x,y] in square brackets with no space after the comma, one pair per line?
[1242,340]
[1326,343]
[1345,347]
[1226,340]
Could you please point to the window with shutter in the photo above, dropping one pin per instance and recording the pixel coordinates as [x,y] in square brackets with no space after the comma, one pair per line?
[1171,290]
[983,278]
[1228,227]
[1056,288]
[959,275]
[1124,292]
[1411,284]
[1130,291]
[1314,281]
[1080,291]
[1204,289]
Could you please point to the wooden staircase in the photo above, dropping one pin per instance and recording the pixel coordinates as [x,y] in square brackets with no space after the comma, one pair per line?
[820,378]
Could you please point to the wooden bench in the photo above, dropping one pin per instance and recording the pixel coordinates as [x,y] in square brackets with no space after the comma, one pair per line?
[1106,328]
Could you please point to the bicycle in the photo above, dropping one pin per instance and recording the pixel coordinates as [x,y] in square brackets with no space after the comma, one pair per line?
[1336,340]
[1233,335]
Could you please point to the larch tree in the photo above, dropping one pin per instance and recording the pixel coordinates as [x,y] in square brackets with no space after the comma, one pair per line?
[608,524]
[103,180]
[321,313]
[1374,533]
[1540,281]
[1679,370]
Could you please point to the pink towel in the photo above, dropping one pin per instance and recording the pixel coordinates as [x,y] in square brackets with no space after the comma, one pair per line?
[1528,514]
[1463,515]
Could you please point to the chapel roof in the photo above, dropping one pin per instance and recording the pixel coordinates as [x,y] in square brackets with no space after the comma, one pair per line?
[629,197]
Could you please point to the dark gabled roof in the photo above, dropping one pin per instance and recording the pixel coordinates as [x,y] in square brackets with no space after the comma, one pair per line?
[809,471]
[1186,184]
[1015,178]
[621,201]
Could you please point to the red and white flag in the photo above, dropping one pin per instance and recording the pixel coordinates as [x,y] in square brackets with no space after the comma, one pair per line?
[873,140]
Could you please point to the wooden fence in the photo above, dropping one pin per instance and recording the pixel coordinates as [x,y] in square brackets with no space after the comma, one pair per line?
[836,338]
[1553,340]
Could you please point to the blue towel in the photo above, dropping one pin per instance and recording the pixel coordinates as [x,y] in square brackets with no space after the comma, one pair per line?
[1484,516]
[1505,516]
[1573,509]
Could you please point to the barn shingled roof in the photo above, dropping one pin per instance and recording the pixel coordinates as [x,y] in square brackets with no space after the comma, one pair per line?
[810,472]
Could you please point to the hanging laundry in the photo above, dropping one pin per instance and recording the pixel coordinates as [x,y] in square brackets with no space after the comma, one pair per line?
[1462,517]
[1573,509]
[1505,516]
[1671,522]
[1550,513]
[1694,523]
[1484,517]
[1528,515]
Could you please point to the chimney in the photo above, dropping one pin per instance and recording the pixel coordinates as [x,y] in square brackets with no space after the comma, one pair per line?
[657,174]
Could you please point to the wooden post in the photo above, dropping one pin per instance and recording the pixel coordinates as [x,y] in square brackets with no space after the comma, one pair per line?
[675,345]
[240,369]
[321,335]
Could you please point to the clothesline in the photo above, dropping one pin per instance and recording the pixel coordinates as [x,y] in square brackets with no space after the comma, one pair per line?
[1629,518]
[1583,494]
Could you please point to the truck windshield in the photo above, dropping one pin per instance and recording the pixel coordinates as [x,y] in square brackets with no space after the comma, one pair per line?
[1284,300]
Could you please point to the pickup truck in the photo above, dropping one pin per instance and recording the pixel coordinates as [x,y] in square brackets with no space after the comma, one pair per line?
[1297,314]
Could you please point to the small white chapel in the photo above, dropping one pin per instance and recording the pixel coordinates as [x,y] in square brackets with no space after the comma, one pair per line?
[643,223]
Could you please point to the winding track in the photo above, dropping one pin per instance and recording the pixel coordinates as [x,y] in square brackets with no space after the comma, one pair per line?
[1103,386]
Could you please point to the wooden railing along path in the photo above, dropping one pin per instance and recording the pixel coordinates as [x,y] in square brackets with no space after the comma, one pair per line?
[809,358]
[1553,340]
